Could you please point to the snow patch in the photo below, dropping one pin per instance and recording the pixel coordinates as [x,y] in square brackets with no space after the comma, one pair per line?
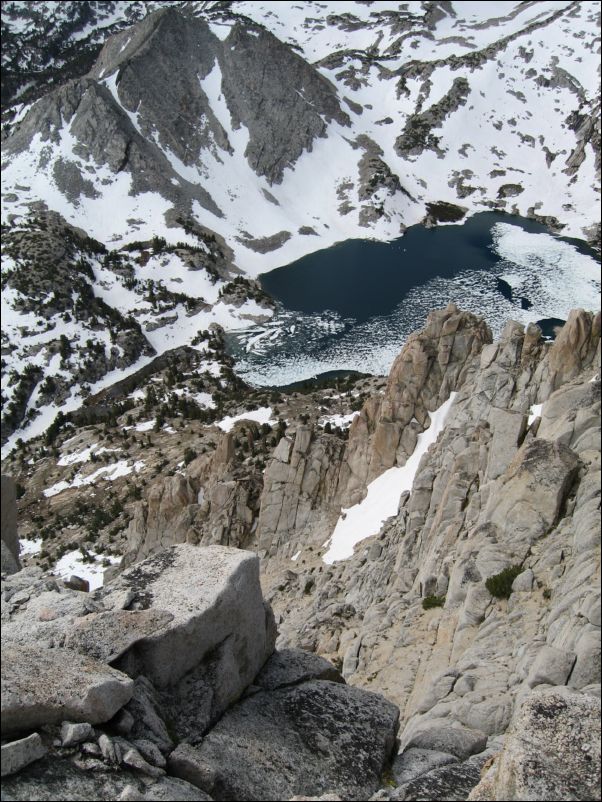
[262,415]
[534,413]
[73,563]
[108,472]
[382,499]
[343,421]
[30,546]
[78,456]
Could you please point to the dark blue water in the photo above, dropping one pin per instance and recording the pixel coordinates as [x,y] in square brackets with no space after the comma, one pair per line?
[362,279]
[352,306]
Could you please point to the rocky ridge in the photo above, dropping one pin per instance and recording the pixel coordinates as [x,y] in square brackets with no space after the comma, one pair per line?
[479,593]
[498,492]
[325,72]
[77,316]
[136,682]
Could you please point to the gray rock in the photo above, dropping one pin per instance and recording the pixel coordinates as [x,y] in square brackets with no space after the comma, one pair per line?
[110,749]
[440,688]
[72,733]
[8,526]
[123,722]
[413,762]
[491,715]
[321,798]
[42,613]
[531,492]
[91,748]
[478,599]
[292,666]
[151,752]
[145,709]
[351,658]
[134,760]
[551,751]
[444,784]
[131,793]
[45,687]
[307,739]
[459,741]
[53,777]
[219,632]
[167,789]
[108,634]
[586,670]
[523,582]
[8,515]
[18,754]
[8,564]
[416,134]
[551,667]
[508,429]
[77,583]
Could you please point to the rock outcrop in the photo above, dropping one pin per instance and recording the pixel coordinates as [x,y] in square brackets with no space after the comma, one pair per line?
[9,515]
[551,751]
[220,633]
[503,492]
[258,75]
[312,474]
[9,538]
[433,363]
[157,687]
[18,754]
[40,688]
[209,505]
[481,592]
[307,738]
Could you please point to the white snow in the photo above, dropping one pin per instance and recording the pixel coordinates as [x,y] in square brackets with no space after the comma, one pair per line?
[73,563]
[145,426]
[78,456]
[107,472]
[534,413]
[500,123]
[261,415]
[202,399]
[295,557]
[382,499]
[307,195]
[30,546]
[343,421]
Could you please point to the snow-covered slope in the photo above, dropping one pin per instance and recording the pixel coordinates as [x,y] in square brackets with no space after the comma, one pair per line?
[254,133]
[77,318]
[436,102]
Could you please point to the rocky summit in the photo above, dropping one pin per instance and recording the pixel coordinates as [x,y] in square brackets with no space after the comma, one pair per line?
[350,586]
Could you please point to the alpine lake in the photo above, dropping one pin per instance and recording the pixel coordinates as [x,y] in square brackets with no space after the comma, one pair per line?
[350,308]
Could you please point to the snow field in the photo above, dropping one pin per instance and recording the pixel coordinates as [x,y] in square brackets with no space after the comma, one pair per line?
[365,519]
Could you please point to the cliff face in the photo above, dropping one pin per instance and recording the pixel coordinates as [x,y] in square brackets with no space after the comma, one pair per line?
[500,489]
[476,605]
[511,485]
[168,98]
